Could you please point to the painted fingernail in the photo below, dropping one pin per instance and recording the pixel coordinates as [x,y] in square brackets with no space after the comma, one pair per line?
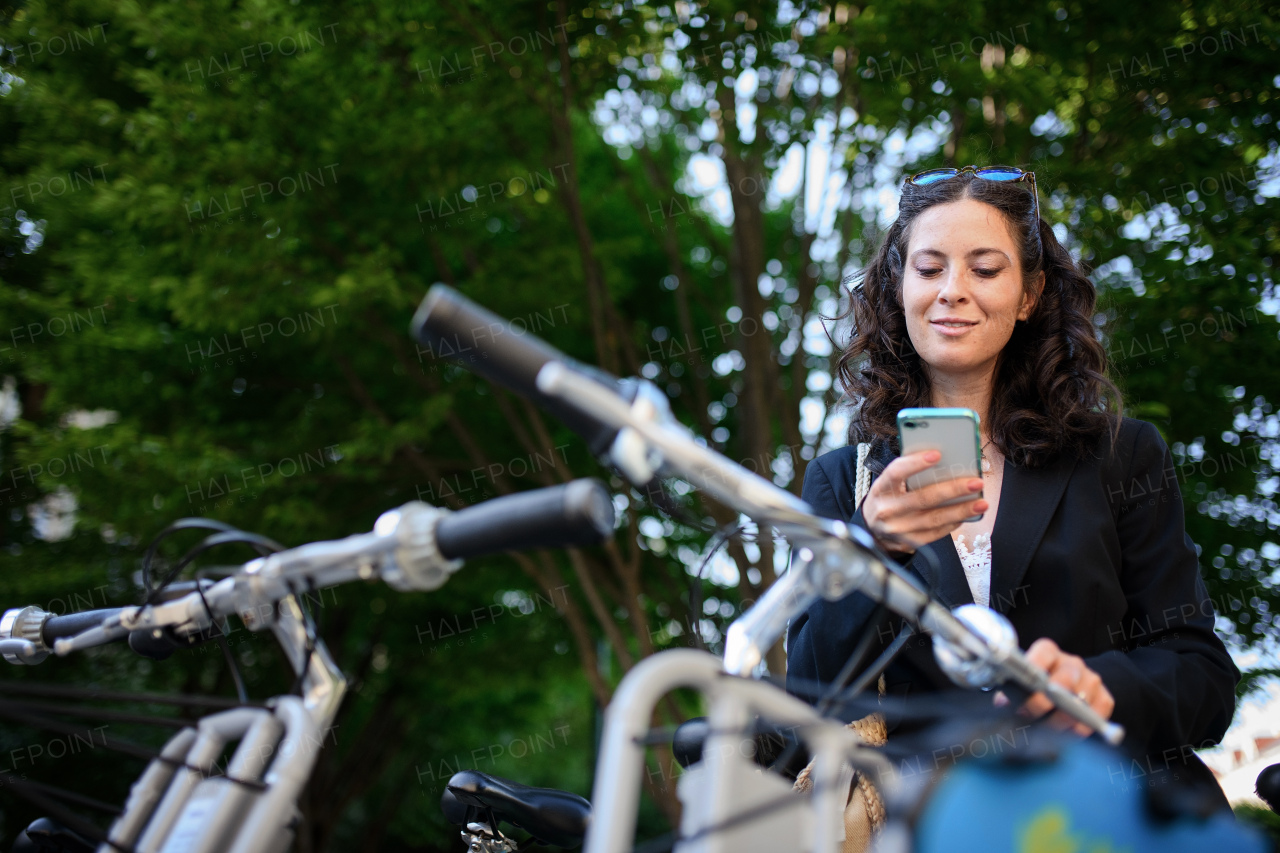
[932,456]
[980,506]
[975,485]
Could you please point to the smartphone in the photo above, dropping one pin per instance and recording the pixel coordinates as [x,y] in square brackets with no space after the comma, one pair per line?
[953,432]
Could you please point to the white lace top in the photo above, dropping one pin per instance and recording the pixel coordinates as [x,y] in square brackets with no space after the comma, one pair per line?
[977,566]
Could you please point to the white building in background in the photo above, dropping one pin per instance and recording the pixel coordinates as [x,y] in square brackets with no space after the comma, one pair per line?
[53,517]
[1251,745]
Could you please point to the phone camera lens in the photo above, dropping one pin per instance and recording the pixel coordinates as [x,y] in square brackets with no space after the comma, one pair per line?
[909,424]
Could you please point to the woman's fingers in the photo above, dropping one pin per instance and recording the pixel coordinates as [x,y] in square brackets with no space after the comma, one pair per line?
[917,537]
[882,506]
[897,472]
[904,520]
[893,498]
[949,517]
[1070,672]
[1045,654]
[931,497]
[921,526]
[920,521]
[937,494]
[1091,689]
[1099,698]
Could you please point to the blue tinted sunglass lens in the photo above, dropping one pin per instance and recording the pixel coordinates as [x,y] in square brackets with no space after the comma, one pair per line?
[935,176]
[1000,174]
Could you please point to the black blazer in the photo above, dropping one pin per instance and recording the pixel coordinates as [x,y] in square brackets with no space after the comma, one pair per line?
[1092,554]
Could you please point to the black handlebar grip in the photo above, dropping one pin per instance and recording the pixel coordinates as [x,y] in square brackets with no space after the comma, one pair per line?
[455,327]
[144,642]
[452,326]
[57,627]
[577,513]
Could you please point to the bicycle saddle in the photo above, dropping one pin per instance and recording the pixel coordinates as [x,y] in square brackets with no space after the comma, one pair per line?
[552,817]
[48,836]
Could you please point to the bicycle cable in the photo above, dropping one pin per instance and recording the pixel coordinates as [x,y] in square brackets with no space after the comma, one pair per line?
[225,534]
[180,524]
[43,796]
[237,679]
[668,840]
[718,541]
[257,541]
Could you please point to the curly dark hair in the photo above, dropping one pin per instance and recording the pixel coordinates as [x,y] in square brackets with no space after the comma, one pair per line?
[1052,395]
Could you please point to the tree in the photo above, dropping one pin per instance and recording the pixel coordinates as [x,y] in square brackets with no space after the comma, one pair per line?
[221,217]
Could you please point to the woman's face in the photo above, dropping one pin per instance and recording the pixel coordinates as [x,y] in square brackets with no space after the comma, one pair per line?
[962,287]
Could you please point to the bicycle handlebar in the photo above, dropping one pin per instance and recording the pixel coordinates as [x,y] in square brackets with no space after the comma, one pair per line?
[414,547]
[577,513]
[57,627]
[647,438]
[452,326]
[28,634]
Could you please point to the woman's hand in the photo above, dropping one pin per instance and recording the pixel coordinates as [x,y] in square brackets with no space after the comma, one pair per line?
[1071,673]
[902,521]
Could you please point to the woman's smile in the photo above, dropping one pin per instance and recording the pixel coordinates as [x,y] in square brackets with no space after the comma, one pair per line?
[952,327]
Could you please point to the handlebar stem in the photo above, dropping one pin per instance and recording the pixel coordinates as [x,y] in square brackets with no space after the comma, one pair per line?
[679,451]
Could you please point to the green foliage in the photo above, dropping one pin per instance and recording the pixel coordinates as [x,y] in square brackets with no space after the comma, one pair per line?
[216,220]
[1262,817]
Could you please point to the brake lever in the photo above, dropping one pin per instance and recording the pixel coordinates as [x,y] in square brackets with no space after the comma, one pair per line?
[24,650]
[109,631]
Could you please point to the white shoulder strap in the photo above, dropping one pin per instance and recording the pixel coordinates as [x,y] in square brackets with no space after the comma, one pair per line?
[862,479]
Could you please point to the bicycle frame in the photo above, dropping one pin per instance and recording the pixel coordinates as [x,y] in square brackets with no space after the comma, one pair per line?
[730,803]
[177,806]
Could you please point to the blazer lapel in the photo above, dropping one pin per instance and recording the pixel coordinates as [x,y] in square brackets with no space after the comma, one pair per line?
[939,566]
[1028,499]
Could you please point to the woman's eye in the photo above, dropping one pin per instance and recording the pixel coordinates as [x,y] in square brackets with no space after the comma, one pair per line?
[987,272]
[928,272]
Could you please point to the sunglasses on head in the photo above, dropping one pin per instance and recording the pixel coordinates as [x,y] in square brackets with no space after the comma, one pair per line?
[1006,174]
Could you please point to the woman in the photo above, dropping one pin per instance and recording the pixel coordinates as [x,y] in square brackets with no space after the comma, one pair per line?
[972,302]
